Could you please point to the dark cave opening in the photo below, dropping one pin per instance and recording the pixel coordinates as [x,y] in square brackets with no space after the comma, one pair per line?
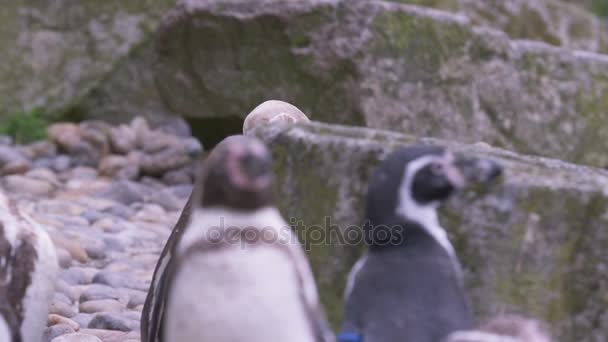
[210,131]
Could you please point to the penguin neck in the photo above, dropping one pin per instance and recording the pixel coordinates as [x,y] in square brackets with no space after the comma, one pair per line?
[206,222]
[425,218]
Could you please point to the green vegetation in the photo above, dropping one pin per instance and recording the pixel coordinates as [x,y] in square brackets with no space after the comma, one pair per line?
[25,127]
[600,7]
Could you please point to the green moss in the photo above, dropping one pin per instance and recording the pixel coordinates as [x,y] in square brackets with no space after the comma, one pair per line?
[423,44]
[600,8]
[531,25]
[447,5]
[25,127]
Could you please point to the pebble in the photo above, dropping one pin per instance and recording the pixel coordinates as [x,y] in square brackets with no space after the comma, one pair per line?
[61,163]
[110,196]
[54,319]
[53,331]
[83,319]
[101,305]
[97,291]
[116,279]
[62,309]
[25,185]
[125,192]
[77,337]
[64,257]
[110,321]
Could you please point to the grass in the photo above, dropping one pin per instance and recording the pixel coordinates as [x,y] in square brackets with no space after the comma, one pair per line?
[25,127]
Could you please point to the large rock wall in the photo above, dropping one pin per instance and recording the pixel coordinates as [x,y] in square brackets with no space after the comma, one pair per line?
[551,21]
[534,244]
[368,63]
[363,62]
[55,52]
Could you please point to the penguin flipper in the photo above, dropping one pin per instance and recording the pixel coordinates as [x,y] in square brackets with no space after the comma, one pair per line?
[152,315]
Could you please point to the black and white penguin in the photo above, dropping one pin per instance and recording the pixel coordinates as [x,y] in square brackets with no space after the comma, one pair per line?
[237,271]
[408,286]
[28,272]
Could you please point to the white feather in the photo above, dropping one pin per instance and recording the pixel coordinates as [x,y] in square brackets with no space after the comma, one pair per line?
[425,215]
[255,292]
[5,332]
[41,290]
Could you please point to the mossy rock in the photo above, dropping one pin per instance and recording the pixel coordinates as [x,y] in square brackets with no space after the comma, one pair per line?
[535,243]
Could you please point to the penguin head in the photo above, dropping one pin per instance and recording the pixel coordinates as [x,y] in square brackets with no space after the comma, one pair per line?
[237,174]
[412,181]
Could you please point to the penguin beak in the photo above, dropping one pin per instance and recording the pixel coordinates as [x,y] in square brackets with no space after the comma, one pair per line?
[478,171]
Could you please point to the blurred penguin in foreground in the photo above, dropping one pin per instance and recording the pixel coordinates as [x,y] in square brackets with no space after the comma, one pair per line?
[28,271]
[232,269]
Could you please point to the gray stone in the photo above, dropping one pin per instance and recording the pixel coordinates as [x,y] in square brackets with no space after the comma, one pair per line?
[183,175]
[61,286]
[112,224]
[112,165]
[101,305]
[40,149]
[56,330]
[43,174]
[182,190]
[95,249]
[97,291]
[168,159]
[113,243]
[77,337]
[120,210]
[82,319]
[60,297]
[136,298]
[74,276]
[69,50]
[167,200]
[10,154]
[83,173]
[109,321]
[62,309]
[122,139]
[551,21]
[125,192]
[116,280]
[60,320]
[23,185]
[533,244]
[61,163]
[64,257]
[175,126]
[92,215]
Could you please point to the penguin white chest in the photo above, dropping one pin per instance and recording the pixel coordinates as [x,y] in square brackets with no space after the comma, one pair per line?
[237,293]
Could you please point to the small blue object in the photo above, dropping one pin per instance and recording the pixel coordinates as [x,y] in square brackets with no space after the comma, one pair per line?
[349,337]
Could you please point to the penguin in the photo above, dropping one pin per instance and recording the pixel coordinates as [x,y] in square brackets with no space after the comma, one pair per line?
[408,286]
[236,271]
[28,272]
[505,328]
[273,112]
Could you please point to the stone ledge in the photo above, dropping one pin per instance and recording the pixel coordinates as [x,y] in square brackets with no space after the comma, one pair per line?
[533,244]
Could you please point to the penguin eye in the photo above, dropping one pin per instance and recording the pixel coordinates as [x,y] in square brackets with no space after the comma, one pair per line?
[436,169]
